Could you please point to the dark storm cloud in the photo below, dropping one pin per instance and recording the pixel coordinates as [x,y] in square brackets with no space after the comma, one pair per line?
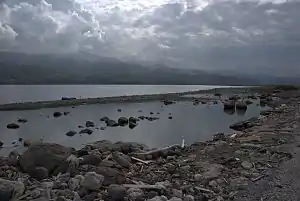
[199,34]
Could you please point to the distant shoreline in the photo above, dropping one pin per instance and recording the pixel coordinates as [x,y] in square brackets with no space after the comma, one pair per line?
[180,96]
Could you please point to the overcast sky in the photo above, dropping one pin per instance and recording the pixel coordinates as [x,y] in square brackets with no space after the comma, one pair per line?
[204,34]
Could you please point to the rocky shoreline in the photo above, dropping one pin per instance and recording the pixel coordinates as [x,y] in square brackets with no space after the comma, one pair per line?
[214,170]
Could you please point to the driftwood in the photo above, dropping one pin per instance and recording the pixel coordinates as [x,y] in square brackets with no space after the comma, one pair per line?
[157,151]
[140,160]
[205,190]
[144,186]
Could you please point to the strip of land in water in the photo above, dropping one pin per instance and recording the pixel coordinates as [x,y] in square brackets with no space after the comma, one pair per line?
[213,94]
[122,99]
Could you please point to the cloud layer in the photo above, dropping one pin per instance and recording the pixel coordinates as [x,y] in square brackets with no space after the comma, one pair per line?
[177,32]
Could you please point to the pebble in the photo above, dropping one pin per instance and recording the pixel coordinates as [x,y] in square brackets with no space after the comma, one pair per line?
[189,198]
[135,194]
[198,177]
[247,165]
[177,193]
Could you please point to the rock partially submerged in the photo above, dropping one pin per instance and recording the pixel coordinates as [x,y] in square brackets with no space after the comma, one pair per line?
[86,131]
[229,104]
[111,123]
[168,102]
[57,114]
[242,125]
[240,105]
[22,120]
[12,126]
[122,121]
[89,124]
[71,133]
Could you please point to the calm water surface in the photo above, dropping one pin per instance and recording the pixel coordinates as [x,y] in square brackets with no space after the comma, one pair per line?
[23,93]
[194,122]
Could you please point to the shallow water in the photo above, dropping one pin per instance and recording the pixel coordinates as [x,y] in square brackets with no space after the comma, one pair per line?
[193,122]
[24,93]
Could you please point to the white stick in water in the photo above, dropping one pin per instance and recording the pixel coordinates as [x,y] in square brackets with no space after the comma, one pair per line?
[182,142]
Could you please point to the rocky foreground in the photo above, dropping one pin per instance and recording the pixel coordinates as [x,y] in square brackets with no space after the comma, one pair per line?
[215,170]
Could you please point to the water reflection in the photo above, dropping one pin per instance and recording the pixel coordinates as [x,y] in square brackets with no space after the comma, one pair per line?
[194,122]
[241,112]
[229,111]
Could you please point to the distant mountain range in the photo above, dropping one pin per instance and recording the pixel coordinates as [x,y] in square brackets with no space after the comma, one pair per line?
[85,68]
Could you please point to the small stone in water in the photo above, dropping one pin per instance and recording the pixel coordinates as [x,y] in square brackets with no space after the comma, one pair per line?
[13,126]
[71,133]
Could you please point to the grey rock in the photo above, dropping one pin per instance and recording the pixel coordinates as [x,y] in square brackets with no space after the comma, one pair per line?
[177,193]
[213,171]
[116,192]
[189,198]
[40,173]
[133,119]
[213,184]
[247,165]
[242,125]
[122,159]
[241,105]
[104,119]
[92,181]
[132,125]
[89,124]
[13,126]
[47,155]
[135,194]
[57,114]
[91,160]
[123,121]
[239,183]
[86,131]
[111,123]
[6,189]
[22,120]
[219,136]
[71,133]
[74,183]
[111,175]
[66,113]
[198,177]
[229,104]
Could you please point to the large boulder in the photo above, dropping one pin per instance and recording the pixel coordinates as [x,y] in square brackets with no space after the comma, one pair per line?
[111,123]
[240,105]
[47,155]
[123,121]
[229,104]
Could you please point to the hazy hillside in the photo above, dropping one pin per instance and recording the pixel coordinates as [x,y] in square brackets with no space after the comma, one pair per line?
[18,68]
